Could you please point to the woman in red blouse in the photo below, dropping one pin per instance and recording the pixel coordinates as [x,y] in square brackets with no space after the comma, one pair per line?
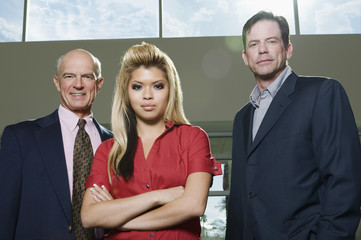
[150,181]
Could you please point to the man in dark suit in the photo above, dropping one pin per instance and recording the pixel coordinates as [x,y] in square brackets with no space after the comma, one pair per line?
[36,157]
[296,155]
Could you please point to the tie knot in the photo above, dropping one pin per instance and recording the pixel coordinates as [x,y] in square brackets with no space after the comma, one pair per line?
[81,123]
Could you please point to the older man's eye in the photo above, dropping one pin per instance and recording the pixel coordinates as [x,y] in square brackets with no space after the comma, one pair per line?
[88,77]
[69,77]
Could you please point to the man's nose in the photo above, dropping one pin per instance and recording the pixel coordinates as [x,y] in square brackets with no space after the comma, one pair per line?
[263,48]
[78,82]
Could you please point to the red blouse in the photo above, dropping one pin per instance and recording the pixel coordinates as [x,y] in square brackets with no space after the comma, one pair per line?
[181,150]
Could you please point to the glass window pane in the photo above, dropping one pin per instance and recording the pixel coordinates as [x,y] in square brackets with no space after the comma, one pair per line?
[92,19]
[214,219]
[330,17]
[11,20]
[188,18]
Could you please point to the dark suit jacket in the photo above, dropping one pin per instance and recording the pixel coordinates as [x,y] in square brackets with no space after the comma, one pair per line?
[35,198]
[300,178]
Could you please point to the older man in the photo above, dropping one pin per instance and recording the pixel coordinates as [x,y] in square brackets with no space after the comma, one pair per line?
[42,181]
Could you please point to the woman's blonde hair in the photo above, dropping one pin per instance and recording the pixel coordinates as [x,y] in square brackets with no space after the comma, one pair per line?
[123,119]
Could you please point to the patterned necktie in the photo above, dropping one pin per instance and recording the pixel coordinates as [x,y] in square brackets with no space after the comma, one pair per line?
[82,160]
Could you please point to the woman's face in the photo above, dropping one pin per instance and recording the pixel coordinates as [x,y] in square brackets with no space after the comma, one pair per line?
[148,92]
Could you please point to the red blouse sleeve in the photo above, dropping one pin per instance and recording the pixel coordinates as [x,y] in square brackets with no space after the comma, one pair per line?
[199,154]
[99,171]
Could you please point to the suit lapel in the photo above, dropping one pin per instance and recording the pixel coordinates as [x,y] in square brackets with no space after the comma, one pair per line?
[247,127]
[279,104]
[50,143]
[104,133]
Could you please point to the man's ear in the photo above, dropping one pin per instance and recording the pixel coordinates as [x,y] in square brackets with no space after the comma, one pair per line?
[289,51]
[56,82]
[99,84]
[244,57]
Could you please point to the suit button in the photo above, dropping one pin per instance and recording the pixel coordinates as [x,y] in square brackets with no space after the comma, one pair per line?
[251,194]
[148,186]
[70,228]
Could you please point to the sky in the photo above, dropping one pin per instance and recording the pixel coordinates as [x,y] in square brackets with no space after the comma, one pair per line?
[88,19]
[331,16]
[11,18]
[111,19]
[217,17]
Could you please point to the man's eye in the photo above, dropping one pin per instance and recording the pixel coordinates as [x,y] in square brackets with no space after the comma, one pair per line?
[68,77]
[88,77]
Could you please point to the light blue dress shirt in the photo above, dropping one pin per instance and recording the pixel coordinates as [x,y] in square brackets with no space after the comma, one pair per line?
[262,100]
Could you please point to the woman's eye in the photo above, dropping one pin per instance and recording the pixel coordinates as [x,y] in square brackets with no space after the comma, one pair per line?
[159,86]
[136,87]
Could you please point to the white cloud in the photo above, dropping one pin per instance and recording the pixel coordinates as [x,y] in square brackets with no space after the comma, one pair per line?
[336,18]
[246,9]
[203,15]
[224,5]
[175,27]
[9,31]
[66,20]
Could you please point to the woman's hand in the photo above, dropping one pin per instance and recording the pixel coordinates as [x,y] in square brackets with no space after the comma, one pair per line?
[99,209]
[100,194]
[178,206]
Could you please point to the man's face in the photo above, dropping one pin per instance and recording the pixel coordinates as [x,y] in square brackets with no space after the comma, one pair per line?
[265,53]
[77,83]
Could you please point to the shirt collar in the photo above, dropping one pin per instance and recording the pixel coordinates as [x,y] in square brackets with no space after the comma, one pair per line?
[70,119]
[168,125]
[272,88]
